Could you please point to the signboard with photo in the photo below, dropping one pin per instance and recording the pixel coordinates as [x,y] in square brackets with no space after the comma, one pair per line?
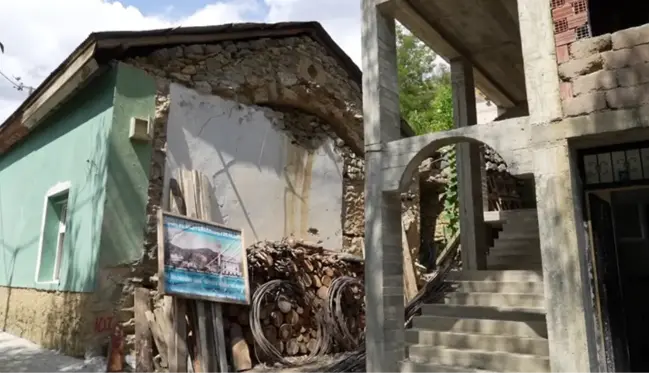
[201,260]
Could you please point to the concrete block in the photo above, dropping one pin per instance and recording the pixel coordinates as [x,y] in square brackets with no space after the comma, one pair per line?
[630,37]
[596,81]
[408,366]
[627,97]
[583,66]
[633,75]
[530,346]
[585,104]
[586,47]
[617,59]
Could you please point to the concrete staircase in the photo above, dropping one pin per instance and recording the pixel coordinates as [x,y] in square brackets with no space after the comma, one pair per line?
[491,320]
[517,245]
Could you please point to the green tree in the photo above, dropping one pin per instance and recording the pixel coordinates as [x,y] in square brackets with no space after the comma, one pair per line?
[427,104]
[424,86]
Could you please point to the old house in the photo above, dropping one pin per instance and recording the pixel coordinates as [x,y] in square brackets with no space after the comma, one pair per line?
[270,113]
[562,289]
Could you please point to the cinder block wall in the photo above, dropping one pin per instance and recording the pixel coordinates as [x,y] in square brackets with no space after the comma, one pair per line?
[607,72]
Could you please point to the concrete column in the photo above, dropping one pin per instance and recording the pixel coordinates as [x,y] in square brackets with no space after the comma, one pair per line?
[384,338]
[469,170]
[563,241]
[540,60]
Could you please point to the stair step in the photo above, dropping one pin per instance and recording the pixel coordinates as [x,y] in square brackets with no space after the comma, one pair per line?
[516,300]
[408,366]
[509,234]
[479,359]
[513,264]
[501,243]
[521,261]
[532,252]
[489,313]
[531,329]
[493,343]
[502,275]
[498,287]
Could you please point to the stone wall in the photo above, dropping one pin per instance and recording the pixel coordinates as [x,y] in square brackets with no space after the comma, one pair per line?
[607,72]
[293,74]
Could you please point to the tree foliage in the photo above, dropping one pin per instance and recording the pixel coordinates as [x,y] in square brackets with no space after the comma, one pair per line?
[427,104]
[424,86]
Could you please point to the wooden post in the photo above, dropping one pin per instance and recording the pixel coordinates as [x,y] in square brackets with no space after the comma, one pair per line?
[409,278]
[196,192]
[472,228]
[143,335]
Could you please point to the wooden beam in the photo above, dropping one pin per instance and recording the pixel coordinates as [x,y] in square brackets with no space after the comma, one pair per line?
[432,36]
[143,334]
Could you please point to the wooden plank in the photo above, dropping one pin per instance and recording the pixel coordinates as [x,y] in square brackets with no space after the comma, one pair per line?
[203,354]
[178,362]
[158,332]
[143,335]
[409,278]
[116,350]
[219,334]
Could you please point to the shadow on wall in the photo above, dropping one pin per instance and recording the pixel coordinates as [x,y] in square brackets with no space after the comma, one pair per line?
[239,147]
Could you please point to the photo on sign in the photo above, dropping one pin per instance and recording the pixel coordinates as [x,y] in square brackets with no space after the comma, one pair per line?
[202,260]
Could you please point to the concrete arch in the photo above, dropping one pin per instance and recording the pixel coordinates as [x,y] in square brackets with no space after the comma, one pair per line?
[509,138]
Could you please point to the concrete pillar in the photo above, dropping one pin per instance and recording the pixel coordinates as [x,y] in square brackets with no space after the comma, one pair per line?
[469,170]
[384,338]
[539,59]
[565,276]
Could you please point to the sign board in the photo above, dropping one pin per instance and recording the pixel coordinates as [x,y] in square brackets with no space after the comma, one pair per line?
[201,260]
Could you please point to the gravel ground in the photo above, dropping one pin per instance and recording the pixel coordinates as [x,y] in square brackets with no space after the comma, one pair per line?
[20,355]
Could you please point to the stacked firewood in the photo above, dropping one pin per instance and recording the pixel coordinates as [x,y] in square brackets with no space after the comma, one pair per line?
[289,319]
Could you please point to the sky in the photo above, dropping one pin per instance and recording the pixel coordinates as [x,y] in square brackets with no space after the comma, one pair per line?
[39,34]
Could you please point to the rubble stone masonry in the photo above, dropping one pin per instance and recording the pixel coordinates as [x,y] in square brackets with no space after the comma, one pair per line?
[296,78]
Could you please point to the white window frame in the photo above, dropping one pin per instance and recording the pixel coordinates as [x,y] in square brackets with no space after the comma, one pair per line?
[55,191]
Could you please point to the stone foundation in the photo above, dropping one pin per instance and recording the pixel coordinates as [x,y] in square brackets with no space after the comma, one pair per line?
[61,321]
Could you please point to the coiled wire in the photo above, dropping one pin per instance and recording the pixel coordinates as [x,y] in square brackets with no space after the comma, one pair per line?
[340,289]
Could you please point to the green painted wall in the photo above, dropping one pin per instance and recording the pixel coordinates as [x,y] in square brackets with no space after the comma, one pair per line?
[72,145]
[128,169]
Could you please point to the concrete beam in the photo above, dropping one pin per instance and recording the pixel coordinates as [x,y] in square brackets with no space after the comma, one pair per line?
[540,61]
[429,34]
[384,338]
[510,138]
[473,236]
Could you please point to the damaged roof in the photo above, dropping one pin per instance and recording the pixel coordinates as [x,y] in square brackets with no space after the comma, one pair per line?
[100,48]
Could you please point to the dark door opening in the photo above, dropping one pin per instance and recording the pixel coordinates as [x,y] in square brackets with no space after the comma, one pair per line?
[620,233]
[608,16]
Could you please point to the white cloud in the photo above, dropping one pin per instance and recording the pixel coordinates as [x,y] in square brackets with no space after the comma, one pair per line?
[39,34]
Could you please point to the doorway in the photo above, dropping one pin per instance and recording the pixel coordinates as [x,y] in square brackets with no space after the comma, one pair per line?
[619,220]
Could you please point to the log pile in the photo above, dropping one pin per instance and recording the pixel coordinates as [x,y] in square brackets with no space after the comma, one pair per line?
[289,319]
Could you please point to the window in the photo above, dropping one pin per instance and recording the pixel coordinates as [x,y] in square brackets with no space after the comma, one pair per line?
[55,217]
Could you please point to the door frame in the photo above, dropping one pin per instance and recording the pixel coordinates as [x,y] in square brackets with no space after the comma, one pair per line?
[593,261]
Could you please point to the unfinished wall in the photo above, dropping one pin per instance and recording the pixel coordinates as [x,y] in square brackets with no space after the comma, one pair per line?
[607,72]
[263,182]
[291,73]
